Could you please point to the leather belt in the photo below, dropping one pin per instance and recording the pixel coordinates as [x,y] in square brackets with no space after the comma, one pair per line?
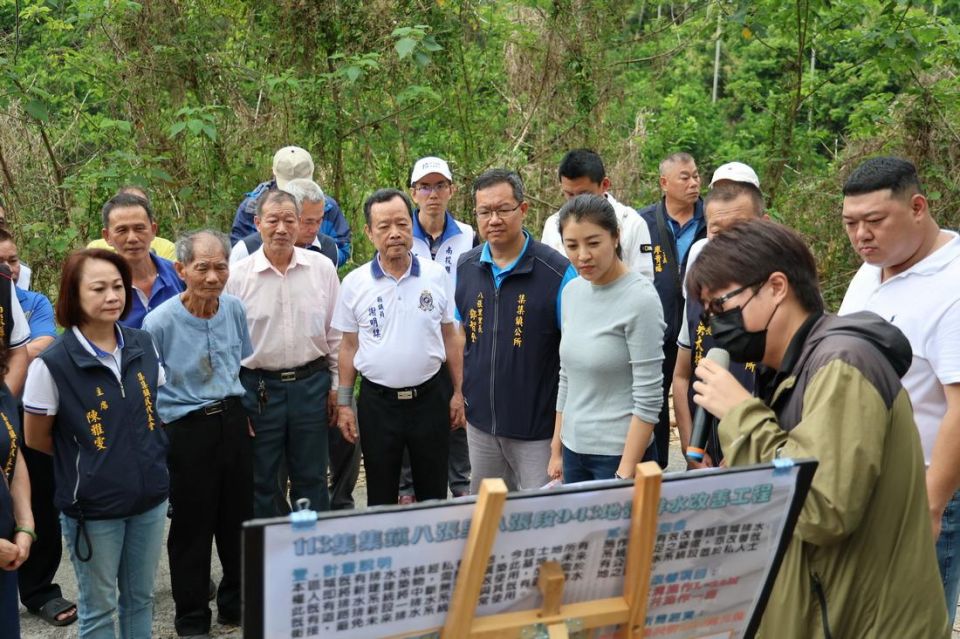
[410,392]
[292,375]
[215,408]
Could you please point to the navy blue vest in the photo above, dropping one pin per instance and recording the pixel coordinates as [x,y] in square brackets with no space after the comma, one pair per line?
[668,270]
[10,438]
[110,450]
[511,360]
[700,344]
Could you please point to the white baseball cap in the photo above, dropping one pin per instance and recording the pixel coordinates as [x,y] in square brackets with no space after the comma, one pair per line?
[291,163]
[428,165]
[736,172]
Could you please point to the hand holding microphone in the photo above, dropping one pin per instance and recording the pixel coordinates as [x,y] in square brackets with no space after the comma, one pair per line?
[700,433]
[716,390]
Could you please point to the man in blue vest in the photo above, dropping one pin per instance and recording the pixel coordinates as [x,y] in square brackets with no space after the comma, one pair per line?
[508,301]
[439,237]
[291,163]
[734,196]
[675,223]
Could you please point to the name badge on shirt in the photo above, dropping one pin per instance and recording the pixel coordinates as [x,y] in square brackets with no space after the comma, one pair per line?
[646,248]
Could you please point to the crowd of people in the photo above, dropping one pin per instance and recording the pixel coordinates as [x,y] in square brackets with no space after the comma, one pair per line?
[217,378]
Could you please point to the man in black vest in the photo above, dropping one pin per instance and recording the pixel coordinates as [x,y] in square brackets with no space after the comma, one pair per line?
[675,223]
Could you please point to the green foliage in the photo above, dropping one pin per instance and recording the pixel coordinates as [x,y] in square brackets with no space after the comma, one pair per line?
[191,98]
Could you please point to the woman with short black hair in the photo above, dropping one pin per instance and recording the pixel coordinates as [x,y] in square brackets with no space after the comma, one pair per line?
[89,401]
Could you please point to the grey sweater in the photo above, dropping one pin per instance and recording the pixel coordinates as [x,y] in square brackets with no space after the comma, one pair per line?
[611,353]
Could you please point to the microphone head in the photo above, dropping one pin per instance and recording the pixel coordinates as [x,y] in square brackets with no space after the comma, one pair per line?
[720,356]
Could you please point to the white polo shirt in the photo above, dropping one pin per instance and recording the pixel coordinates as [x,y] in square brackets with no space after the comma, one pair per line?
[634,236]
[397,321]
[924,303]
[457,239]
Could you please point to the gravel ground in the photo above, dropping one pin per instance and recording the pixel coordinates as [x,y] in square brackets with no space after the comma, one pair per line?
[33,628]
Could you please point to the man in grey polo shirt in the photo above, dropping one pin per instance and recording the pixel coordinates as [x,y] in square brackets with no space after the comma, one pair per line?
[201,336]
[396,315]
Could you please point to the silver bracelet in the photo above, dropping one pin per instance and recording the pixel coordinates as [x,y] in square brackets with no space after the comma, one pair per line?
[344,395]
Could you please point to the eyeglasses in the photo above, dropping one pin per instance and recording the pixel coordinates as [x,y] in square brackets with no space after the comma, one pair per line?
[426,189]
[502,213]
[715,306]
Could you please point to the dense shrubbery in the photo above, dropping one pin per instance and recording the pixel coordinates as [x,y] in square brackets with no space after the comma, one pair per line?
[191,98]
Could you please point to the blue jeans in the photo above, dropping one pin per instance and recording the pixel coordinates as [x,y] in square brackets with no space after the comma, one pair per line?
[579,467]
[948,554]
[125,553]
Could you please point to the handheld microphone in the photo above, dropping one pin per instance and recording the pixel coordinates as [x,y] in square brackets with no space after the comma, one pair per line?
[701,418]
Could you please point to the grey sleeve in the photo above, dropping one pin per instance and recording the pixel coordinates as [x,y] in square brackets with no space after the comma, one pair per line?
[644,335]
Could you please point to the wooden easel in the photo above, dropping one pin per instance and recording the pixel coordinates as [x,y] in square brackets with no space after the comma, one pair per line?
[628,609]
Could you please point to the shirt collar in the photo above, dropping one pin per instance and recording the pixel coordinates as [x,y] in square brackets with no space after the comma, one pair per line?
[450,228]
[486,256]
[413,270]
[261,263]
[92,348]
[934,262]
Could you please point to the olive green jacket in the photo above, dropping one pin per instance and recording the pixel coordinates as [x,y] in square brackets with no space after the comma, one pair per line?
[862,560]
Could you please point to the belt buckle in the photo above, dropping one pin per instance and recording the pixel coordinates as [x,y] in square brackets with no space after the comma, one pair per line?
[213,409]
[405,394]
[288,376]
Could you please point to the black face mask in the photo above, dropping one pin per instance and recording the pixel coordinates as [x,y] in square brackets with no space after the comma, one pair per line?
[729,333]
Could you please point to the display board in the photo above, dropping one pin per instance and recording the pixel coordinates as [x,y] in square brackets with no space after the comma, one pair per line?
[391,571]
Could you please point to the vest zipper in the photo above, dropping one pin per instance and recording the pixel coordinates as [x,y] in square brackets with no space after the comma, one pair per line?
[76,486]
[493,360]
[817,587]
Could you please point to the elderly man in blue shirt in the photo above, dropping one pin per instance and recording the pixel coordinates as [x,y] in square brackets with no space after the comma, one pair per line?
[202,335]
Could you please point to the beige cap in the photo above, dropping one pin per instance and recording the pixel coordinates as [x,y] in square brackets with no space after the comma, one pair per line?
[291,163]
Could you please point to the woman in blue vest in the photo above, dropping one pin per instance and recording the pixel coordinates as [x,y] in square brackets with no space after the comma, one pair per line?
[16,518]
[611,353]
[89,401]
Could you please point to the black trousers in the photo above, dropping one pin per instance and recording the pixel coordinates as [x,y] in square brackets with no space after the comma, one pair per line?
[661,430]
[344,469]
[211,491]
[388,425]
[344,473]
[36,575]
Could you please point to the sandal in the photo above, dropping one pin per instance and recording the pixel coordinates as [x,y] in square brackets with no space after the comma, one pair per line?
[54,608]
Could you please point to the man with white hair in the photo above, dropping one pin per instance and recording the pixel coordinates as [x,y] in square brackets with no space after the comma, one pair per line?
[202,336]
[312,201]
[291,163]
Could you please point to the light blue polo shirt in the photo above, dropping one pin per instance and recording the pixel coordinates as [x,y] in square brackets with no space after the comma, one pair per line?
[39,313]
[686,234]
[201,356]
[500,273]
